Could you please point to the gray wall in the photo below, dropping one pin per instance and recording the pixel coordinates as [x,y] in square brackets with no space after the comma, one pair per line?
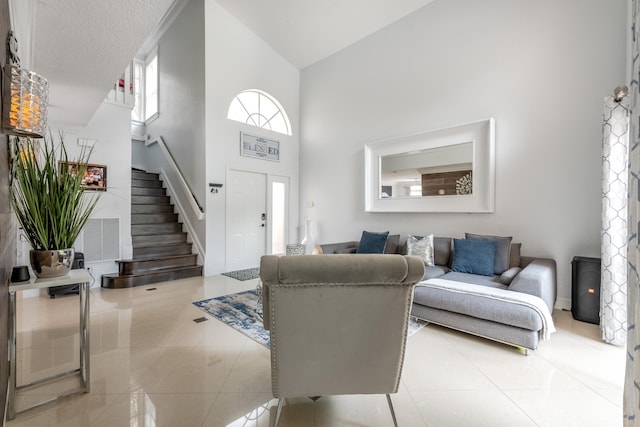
[541,69]
[182,101]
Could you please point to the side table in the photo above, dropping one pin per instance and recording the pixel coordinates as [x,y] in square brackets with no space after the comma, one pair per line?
[80,277]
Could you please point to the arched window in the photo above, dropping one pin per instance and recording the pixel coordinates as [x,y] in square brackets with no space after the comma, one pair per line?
[257,108]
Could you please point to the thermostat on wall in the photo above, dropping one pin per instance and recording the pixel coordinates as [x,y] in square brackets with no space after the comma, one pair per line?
[86,142]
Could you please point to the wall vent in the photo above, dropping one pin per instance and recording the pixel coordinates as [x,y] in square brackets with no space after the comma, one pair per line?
[101,240]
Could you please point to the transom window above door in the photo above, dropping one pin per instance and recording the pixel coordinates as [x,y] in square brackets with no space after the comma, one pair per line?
[257,108]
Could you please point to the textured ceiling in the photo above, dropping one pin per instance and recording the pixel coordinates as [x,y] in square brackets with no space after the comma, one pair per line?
[83,46]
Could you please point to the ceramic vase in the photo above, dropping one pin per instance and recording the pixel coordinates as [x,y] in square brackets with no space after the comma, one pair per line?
[307,241]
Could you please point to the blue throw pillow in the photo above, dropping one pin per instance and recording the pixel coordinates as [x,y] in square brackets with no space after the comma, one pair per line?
[372,243]
[503,250]
[474,256]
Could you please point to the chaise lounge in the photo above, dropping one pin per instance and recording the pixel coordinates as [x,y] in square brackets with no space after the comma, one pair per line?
[512,303]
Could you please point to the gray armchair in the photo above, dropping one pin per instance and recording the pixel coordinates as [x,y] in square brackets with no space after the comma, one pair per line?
[338,323]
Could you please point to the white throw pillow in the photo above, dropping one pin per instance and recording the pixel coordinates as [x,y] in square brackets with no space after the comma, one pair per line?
[421,247]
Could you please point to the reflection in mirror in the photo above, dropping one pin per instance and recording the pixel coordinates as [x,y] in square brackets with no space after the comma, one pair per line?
[445,170]
[441,171]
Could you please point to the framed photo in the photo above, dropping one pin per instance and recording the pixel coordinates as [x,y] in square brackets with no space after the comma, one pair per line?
[95,176]
[260,148]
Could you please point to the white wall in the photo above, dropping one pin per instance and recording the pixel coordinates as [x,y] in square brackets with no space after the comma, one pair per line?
[182,107]
[236,59]
[541,69]
[110,127]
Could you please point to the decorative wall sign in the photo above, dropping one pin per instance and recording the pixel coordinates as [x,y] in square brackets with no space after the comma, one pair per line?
[258,147]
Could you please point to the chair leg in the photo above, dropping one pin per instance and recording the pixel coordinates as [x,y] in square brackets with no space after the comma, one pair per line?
[279,411]
[393,413]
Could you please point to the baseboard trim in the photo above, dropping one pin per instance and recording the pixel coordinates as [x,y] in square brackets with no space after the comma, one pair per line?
[563,304]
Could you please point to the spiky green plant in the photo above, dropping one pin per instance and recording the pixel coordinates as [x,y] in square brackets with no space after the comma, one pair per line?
[46,195]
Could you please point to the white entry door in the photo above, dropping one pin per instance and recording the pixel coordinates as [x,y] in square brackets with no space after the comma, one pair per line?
[246,219]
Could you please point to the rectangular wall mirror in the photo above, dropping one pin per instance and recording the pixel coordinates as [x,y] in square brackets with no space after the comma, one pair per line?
[447,170]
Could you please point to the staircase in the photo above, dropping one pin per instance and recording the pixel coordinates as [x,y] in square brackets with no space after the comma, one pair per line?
[160,248]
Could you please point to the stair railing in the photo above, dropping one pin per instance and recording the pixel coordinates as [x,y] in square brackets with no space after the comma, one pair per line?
[122,92]
[193,200]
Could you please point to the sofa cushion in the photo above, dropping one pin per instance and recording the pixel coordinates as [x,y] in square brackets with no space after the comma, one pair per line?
[431,272]
[421,247]
[476,279]
[509,275]
[339,248]
[346,251]
[503,250]
[478,307]
[474,256]
[372,243]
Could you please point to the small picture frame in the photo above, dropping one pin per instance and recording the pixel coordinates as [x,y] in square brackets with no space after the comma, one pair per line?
[95,176]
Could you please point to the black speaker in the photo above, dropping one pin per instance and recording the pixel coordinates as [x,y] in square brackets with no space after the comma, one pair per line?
[78,261]
[585,289]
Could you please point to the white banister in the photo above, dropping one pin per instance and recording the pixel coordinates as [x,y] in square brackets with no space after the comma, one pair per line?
[193,202]
[122,92]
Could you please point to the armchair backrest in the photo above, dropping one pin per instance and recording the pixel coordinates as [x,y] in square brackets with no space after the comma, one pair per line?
[338,322]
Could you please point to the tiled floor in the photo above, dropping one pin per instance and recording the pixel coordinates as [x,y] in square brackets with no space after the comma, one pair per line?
[152,365]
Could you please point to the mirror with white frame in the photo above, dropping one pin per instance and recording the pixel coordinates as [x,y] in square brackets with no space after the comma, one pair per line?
[448,170]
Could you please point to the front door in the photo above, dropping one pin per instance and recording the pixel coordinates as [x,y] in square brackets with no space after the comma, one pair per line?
[246,219]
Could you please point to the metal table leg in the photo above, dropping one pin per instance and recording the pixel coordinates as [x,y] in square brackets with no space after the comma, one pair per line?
[11,409]
[83,370]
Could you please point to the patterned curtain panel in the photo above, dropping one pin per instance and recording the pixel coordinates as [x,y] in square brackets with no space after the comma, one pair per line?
[613,294]
[632,374]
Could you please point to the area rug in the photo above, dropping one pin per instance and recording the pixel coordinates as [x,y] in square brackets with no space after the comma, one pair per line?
[242,312]
[247,274]
[239,312]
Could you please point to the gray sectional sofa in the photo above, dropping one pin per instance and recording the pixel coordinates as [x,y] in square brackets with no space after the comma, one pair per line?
[513,307]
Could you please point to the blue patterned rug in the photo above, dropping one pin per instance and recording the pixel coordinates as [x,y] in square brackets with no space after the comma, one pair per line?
[242,312]
[247,274]
[239,312]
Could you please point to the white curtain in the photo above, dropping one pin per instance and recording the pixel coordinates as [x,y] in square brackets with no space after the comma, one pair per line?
[632,374]
[613,294]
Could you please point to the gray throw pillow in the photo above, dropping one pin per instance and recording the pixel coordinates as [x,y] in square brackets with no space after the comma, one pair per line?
[421,247]
[503,250]
[392,244]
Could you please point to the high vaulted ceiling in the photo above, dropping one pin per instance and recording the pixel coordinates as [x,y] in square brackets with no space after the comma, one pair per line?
[83,46]
[306,31]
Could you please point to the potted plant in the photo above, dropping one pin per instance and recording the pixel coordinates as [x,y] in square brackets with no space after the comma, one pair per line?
[49,201]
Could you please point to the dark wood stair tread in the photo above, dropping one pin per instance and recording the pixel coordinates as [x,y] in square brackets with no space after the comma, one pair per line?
[116,281]
[155,245]
[153,220]
[155,258]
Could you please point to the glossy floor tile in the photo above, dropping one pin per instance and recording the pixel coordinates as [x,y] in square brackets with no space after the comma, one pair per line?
[152,365]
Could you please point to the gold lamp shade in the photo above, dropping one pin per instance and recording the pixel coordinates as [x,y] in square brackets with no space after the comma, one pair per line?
[25,99]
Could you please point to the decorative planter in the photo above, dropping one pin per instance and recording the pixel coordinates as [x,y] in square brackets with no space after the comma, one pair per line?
[51,263]
[296,249]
